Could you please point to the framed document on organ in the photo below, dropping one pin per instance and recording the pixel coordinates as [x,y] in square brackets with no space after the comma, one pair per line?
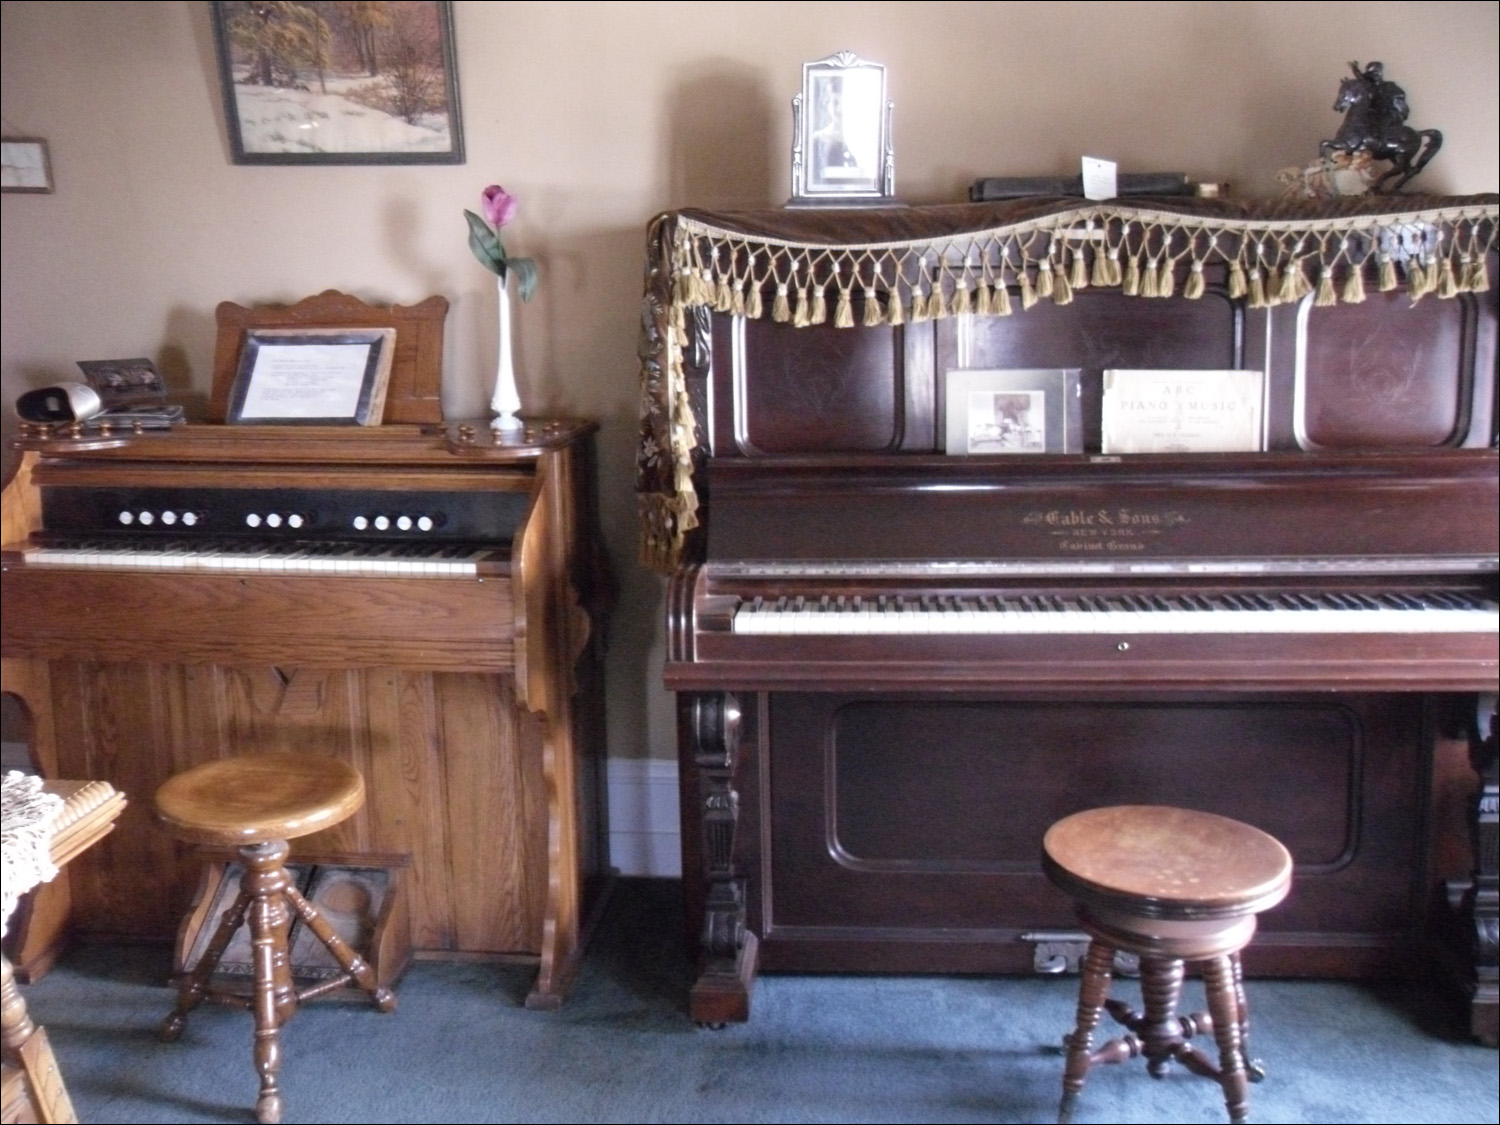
[313,376]
[1183,412]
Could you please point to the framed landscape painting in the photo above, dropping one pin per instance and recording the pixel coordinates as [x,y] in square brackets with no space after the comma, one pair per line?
[332,82]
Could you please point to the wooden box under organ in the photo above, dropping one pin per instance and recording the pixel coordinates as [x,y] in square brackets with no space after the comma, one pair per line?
[425,601]
[896,668]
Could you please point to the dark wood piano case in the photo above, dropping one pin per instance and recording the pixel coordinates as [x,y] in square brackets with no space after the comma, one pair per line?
[876,803]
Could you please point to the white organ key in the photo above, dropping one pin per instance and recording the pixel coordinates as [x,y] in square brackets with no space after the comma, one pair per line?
[417,560]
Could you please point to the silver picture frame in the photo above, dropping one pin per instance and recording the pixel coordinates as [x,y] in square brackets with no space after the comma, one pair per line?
[1012,411]
[841,134]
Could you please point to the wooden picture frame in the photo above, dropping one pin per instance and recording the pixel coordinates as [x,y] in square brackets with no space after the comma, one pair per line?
[25,165]
[312,377]
[1013,411]
[339,84]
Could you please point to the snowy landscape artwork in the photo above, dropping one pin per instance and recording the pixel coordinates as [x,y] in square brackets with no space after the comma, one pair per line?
[339,81]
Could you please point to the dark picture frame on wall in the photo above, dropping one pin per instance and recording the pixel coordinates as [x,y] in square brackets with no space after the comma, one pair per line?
[318,82]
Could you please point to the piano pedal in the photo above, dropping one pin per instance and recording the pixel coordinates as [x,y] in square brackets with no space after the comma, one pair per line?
[1061,952]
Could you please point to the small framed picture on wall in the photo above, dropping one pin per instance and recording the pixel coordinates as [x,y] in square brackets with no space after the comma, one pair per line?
[25,165]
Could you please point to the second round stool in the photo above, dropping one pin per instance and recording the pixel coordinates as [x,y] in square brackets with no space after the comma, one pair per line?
[1175,887]
[256,804]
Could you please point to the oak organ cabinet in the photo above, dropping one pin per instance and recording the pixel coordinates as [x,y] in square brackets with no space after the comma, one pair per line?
[428,605]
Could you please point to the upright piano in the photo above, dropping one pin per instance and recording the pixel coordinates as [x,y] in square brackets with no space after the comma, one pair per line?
[895,667]
[424,600]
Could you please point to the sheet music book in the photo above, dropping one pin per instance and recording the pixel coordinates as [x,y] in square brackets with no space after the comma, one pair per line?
[1183,412]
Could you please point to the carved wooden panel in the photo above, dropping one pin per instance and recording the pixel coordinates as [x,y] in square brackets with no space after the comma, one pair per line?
[452,767]
[817,389]
[1387,373]
[895,821]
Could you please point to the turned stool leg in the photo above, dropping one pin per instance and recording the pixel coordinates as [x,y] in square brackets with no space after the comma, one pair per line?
[275,999]
[1160,1032]
[1093,990]
[194,986]
[351,962]
[1218,982]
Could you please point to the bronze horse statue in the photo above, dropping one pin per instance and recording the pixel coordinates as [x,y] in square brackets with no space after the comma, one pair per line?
[1375,112]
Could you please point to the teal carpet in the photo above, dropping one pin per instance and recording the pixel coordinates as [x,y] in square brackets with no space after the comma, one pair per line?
[460,1047]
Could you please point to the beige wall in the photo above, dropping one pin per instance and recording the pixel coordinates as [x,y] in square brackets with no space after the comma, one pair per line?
[598,115]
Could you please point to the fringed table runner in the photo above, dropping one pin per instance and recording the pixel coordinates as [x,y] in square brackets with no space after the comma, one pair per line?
[26,813]
[908,265]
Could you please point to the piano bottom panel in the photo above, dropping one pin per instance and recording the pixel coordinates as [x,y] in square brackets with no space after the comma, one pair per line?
[453,772]
[902,833]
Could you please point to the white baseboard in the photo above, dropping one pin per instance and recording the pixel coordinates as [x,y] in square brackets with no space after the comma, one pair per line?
[645,834]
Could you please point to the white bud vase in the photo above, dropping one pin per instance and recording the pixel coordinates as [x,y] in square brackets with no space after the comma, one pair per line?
[507,399]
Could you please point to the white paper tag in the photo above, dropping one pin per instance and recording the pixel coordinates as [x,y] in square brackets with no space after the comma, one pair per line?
[1098,178]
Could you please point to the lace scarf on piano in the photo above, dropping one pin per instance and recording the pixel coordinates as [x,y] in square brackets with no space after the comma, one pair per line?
[28,815]
[889,266]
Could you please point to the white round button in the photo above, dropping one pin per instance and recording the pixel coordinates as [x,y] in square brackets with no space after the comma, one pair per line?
[424,523]
[273,520]
[403,522]
[127,518]
[146,519]
[382,523]
[294,520]
[189,519]
[360,523]
[252,520]
[169,518]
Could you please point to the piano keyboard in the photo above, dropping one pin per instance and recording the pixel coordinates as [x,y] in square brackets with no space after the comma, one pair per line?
[1227,613]
[425,560]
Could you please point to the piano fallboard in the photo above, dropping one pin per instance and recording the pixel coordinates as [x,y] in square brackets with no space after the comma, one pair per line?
[1234,509]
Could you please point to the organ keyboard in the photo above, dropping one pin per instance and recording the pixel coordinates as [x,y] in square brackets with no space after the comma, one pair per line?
[895,668]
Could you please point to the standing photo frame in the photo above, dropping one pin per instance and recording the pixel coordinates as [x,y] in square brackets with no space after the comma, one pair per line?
[1013,411]
[339,83]
[841,134]
[313,377]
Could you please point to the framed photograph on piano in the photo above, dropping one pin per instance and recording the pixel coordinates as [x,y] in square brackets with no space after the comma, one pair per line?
[1019,410]
[312,376]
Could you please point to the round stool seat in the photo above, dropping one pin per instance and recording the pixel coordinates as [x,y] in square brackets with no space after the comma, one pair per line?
[259,798]
[1150,861]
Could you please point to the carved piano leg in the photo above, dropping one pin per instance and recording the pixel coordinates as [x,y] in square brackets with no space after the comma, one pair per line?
[727,950]
[1479,900]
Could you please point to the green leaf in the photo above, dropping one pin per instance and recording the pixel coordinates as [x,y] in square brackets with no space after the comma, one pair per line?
[525,276]
[485,244]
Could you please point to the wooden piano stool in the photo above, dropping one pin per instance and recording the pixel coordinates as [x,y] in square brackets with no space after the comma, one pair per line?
[1173,887]
[257,803]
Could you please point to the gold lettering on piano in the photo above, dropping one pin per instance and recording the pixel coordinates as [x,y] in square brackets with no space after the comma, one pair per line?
[1104,530]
